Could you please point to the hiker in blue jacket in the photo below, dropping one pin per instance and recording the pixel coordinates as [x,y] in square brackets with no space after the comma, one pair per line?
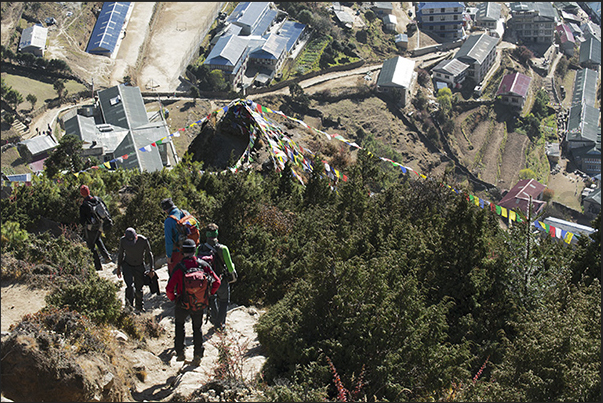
[92,229]
[173,253]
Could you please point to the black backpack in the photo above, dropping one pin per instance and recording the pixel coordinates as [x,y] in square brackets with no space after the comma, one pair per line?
[100,215]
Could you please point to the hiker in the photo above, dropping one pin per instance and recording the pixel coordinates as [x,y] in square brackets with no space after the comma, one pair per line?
[133,248]
[173,253]
[176,291]
[225,269]
[93,229]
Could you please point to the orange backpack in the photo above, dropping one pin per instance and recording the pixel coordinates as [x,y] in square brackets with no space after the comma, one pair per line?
[188,228]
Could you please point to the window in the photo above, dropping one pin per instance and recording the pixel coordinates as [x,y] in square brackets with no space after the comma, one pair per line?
[431,27]
[442,10]
[456,10]
[442,18]
[431,18]
[514,100]
[456,17]
[442,27]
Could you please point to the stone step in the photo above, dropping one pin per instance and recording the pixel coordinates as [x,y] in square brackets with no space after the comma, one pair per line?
[20,127]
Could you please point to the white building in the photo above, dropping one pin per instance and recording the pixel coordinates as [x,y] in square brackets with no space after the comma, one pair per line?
[33,40]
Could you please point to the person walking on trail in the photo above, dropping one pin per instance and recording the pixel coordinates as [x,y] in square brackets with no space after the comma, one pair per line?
[93,227]
[225,269]
[176,291]
[173,253]
[133,248]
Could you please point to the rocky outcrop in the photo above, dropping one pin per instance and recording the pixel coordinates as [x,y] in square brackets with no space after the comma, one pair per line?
[36,367]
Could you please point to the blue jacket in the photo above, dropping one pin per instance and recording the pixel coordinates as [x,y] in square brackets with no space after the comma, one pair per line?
[171,232]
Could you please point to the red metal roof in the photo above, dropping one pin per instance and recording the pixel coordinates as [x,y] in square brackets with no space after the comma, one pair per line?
[519,196]
[514,84]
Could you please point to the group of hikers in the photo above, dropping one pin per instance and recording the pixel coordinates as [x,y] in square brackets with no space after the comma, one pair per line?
[200,274]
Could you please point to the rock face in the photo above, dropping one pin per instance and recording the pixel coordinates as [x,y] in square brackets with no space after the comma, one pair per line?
[34,370]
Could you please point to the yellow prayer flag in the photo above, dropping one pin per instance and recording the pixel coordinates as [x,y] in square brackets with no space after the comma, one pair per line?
[107,165]
[512,215]
[503,211]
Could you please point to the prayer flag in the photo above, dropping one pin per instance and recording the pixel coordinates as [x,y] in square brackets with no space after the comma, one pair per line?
[512,215]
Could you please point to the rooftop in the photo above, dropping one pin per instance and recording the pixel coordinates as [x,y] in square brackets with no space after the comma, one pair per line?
[514,84]
[397,71]
[476,48]
[451,66]
[488,11]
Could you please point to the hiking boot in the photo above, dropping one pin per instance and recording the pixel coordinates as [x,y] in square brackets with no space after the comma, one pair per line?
[196,361]
[180,357]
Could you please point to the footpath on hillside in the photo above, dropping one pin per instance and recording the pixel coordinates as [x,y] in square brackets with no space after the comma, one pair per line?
[166,376]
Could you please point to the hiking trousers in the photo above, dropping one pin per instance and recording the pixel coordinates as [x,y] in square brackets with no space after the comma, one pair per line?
[134,279]
[219,304]
[94,241]
[181,314]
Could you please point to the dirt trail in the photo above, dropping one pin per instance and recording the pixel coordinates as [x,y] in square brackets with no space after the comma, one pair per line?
[165,376]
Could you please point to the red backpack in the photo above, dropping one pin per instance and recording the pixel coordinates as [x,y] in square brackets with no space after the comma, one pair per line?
[196,285]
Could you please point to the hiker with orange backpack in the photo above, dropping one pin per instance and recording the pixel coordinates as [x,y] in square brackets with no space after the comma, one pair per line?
[192,283]
[176,223]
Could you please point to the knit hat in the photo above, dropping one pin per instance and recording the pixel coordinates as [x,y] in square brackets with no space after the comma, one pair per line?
[130,235]
[167,204]
[84,190]
[189,246]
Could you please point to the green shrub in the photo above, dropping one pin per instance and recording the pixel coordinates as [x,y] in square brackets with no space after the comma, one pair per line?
[94,297]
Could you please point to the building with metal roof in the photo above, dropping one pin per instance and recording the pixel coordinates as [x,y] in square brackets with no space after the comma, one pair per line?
[590,53]
[397,74]
[574,228]
[450,71]
[33,40]
[254,18]
[36,148]
[592,204]
[271,53]
[390,22]
[487,14]
[567,42]
[442,19]
[588,159]
[230,54]
[479,52]
[107,30]
[582,126]
[344,18]
[585,87]
[122,132]
[293,32]
[590,29]
[383,7]
[518,198]
[513,89]
[527,16]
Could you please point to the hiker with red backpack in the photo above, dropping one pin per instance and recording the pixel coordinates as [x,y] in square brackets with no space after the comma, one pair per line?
[192,283]
[224,268]
[175,225]
[94,217]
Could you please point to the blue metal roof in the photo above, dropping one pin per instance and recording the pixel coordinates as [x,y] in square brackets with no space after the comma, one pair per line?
[227,51]
[108,27]
[441,4]
[292,31]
